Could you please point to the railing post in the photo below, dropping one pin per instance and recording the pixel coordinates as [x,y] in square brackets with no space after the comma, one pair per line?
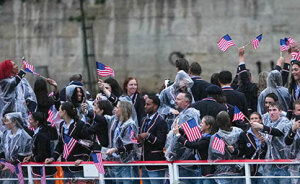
[176,172]
[171,173]
[30,181]
[247,173]
[101,179]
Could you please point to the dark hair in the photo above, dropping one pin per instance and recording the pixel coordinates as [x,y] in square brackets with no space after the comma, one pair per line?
[195,68]
[225,77]
[256,113]
[40,117]
[182,64]
[272,95]
[115,87]
[293,82]
[76,77]
[223,121]
[187,95]
[105,106]
[70,109]
[276,104]
[155,100]
[75,97]
[214,79]
[126,83]
[297,102]
[41,93]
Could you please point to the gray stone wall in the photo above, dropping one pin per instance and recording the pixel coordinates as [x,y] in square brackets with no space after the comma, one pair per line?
[136,37]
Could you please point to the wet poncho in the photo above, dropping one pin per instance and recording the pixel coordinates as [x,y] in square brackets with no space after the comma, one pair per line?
[230,138]
[14,96]
[295,151]
[124,134]
[274,85]
[174,149]
[277,149]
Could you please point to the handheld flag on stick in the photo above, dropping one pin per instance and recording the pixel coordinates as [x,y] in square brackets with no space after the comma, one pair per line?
[132,137]
[19,173]
[69,145]
[283,46]
[289,41]
[98,161]
[238,115]
[43,175]
[51,114]
[225,43]
[30,68]
[256,41]
[218,144]
[296,56]
[8,165]
[104,70]
[191,130]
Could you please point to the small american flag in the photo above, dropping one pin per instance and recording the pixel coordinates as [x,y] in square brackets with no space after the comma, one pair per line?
[98,161]
[69,145]
[256,41]
[289,41]
[19,173]
[283,46]
[132,137]
[218,144]
[225,43]
[296,56]
[29,68]
[238,115]
[191,130]
[43,175]
[8,165]
[104,70]
[51,113]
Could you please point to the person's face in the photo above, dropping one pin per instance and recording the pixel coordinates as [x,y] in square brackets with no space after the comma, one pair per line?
[61,113]
[255,118]
[274,113]
[79,94]
[180,102]
[150,107]
[118,111]
[131,87]
[32,122]
[204,126]
[15,69]
[97,110]
[107,86]
[297,109]
[296,72]
[268,101]
[8,124]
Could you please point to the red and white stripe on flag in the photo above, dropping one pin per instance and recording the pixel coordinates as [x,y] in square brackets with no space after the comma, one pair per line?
[192,133]
[69,147]
[255,43]
[106,72]
[296,56]
[99,164]
[224,44]
[218,144]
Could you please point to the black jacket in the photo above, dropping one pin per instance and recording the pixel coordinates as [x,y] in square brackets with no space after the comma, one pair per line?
[79,151]
[41,150]
[152,147]
[208,106]
[236,98]
[199,88]
[139,104]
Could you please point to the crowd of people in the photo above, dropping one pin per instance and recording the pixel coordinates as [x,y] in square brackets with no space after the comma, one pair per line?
[127,125]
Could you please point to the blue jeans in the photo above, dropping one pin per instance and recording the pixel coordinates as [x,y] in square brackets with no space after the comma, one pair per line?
[157,173]
[190,171]
[275,171]
[125,172]
[229,180]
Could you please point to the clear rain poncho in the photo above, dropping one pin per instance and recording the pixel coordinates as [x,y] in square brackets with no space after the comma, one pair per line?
[277,149]
[13,97]
[274,85]
[230,138]
[174,149]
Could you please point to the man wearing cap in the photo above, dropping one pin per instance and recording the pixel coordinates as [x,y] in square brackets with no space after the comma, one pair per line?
[210,105]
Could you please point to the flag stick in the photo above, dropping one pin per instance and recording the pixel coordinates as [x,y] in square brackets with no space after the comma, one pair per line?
[247,44]
[280,54]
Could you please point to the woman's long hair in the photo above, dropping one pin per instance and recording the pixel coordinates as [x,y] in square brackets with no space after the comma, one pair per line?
[70,109]
[40,118]
[293,82]
[126,110]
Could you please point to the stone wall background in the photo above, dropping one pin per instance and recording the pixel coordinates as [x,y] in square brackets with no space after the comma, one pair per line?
[136,37]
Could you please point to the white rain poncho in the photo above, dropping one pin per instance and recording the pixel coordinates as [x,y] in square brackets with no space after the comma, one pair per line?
[126,134]
[174,149]
[13,97]
[230,138]
[167,96]
[274,85]
[277,149]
